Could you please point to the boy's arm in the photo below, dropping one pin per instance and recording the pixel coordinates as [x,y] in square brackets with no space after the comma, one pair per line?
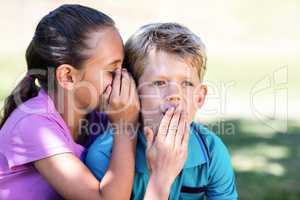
[221,181]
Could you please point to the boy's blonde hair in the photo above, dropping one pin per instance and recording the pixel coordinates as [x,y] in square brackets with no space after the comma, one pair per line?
[168,37]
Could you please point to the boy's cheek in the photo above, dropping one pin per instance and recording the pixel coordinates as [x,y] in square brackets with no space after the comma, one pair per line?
[192,108]
[150,104]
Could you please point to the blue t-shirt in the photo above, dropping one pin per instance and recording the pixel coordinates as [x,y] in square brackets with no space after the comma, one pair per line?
[99,153]
[207,171]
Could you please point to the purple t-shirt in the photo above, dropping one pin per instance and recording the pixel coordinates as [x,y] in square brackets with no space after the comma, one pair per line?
[35,130]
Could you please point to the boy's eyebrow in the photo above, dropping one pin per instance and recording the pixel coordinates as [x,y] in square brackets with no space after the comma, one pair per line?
[185,77]
[159,77]
[168,77]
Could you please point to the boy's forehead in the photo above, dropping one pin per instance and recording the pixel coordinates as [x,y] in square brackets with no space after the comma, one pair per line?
[164,64]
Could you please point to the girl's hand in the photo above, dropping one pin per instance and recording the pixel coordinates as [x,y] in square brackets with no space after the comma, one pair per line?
[166,151]
[121,99]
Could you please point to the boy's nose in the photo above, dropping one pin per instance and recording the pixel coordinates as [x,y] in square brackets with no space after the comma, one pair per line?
[174,99]
[171,101]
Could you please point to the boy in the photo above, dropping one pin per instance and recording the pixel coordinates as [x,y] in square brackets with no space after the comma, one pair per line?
[168,63]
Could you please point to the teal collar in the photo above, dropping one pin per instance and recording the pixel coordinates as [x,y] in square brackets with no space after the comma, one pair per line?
[197,154]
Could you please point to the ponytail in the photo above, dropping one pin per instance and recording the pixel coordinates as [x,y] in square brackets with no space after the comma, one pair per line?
[25,90]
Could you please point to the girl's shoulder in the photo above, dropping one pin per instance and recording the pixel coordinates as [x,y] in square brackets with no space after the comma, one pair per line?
[34,131]
[32,114]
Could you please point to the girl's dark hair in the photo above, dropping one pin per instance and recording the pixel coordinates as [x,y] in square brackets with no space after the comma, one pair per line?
[59,38]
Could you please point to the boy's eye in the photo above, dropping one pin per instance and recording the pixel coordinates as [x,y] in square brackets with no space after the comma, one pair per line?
[187,83]
[159,83]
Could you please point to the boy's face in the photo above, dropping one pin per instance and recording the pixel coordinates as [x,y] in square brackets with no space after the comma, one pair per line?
[168,80]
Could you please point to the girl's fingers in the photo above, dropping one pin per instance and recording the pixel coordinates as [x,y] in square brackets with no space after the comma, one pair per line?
[105,97]
[107,93]
[130,88]
[164,124]
[171,133]
[116,86]
[132,92]
[125,84]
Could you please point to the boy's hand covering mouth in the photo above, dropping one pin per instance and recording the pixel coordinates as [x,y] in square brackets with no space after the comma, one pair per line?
[165,107]
[167,149]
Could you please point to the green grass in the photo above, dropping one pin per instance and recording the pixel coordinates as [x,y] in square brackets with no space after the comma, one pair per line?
[12,68]
[266,162]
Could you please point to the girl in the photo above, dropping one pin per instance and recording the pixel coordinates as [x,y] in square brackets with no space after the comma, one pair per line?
[74,69]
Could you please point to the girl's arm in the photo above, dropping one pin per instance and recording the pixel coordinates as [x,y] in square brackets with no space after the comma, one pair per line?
[72,179]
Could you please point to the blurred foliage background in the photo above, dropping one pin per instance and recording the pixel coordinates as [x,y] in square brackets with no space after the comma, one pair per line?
[253,68]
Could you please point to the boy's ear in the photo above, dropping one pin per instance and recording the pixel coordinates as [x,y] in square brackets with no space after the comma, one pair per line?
[66,76]
[201,94]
